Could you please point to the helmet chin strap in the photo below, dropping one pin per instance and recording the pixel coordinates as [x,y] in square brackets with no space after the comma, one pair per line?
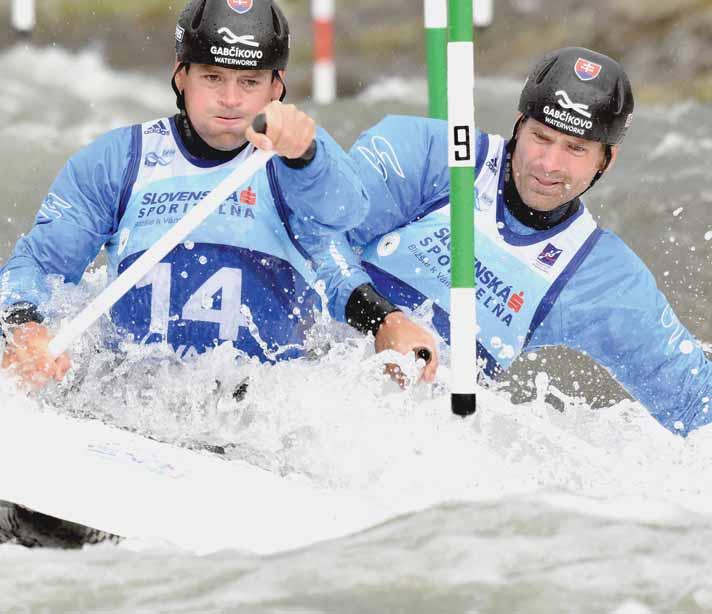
[608,154]
[180,100]
[276,75]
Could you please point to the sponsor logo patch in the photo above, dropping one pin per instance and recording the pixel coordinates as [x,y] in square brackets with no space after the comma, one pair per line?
[53,205]
[388,244]
[240,6]
[179,34]
[164,159]
[516,302]
[548,257]
[233,39]
[248,197]
[587,70]
[157,128]
[566,103]
[561,119]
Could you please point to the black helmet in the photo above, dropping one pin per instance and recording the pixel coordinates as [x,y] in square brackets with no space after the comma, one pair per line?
[579,92]
[240,34]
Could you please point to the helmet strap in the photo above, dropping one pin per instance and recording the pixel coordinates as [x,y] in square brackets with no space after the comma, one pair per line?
[276,75]
[180,100]
[599,173]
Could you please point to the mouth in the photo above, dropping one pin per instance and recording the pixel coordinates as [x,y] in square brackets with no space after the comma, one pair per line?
[546,184]
[227,118]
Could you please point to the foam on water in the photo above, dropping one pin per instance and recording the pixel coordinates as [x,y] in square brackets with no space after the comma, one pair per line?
[338,421]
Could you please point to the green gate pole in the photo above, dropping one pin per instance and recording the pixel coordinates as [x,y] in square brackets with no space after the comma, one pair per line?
[461,159]
[436,55]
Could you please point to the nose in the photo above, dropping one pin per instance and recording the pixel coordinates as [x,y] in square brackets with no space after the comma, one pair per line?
[230,94]
[551,158]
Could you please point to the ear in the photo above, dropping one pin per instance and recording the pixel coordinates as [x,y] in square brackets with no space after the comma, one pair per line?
[277,86]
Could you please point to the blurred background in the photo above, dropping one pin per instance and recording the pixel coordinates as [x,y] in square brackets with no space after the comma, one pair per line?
[92,65]
[666,45]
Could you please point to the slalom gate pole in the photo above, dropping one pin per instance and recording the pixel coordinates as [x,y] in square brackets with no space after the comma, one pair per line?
[324,73]
[436,54]
[483,13]
[23,16]
[461,159]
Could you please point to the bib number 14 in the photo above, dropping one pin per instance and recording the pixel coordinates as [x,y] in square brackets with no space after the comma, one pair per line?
[200,306]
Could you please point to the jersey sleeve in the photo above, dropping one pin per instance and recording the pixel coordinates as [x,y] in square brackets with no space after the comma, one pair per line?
[403,164]
[75,219]
[613,311]
[327,192]
[336,265]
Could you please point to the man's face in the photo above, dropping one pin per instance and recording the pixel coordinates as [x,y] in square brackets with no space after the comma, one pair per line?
[222,102]
[550,168]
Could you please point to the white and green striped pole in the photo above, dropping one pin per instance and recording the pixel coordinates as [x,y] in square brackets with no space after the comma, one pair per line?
[436,56]
[461,159]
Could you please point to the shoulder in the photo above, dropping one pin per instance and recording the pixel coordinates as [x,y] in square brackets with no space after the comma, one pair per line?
[408,127]
[117,144]
[612,251]
[613,269]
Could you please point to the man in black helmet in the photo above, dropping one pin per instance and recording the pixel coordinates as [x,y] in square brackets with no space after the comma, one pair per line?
[546,273]
[246,275]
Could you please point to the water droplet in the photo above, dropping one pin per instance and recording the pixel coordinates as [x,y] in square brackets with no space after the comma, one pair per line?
[184,274]
[686,346]
[189,245]
[203,260]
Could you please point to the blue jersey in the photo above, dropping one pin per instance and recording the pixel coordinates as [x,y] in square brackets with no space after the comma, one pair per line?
[247,275]
[607,305]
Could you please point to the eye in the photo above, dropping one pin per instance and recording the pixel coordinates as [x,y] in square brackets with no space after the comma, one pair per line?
[211,77]
[578,149]
[250,83]
[540,136]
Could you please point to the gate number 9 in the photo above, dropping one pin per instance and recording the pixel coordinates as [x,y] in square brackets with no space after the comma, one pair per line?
[462,139]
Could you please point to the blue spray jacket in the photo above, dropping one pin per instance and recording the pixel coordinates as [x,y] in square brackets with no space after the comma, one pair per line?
[258,251]
[609,308]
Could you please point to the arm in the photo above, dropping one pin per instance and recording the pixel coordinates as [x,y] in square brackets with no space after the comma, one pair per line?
[352,299]
[318,180]
[75,219]
[617,315]
[327,190]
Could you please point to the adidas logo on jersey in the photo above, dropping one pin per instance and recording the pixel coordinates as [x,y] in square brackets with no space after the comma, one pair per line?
[157,128]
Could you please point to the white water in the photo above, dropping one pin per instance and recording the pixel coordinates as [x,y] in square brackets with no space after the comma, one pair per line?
[532,507]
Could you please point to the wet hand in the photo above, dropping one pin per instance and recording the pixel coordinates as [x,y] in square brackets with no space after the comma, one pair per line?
[290,132]
[27,356]
[401,334]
